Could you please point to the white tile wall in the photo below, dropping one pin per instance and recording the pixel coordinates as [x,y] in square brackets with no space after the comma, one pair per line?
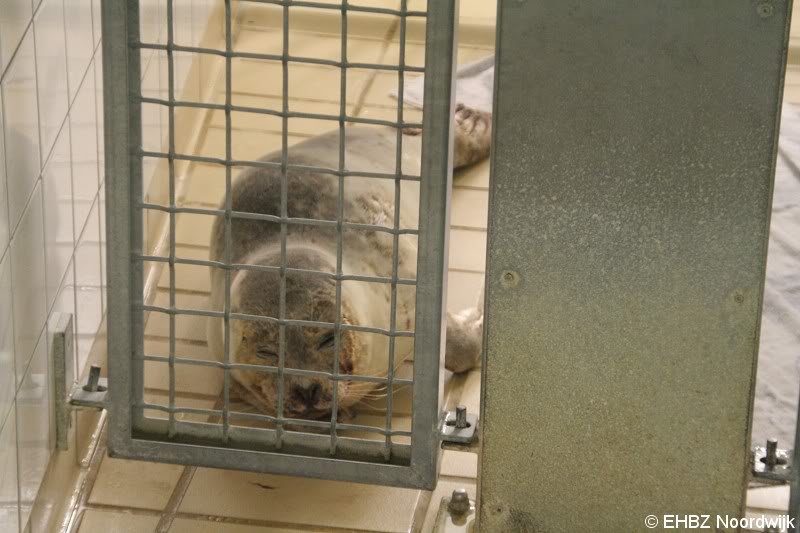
[80,42]
[52,206]
[57,197]
[3,200]
[21,125]
[28,281]
[33,428]
[9,508]
[7,380]
[51,72]
[49,181]
[14,18]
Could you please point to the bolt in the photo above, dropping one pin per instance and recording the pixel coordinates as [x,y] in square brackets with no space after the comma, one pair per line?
[771,459]
[92,385]
[461,417]
[459,502]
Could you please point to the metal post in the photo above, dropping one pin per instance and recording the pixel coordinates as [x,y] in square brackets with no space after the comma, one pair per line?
[121,80]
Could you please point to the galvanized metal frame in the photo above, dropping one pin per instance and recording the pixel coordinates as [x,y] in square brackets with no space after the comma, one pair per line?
[133,435]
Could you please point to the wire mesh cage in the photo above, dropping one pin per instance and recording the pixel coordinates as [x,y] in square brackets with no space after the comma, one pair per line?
[315,347]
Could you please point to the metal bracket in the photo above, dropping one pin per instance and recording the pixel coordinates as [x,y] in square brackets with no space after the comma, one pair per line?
[771,464]
[456,513]
[459,427]
[70,395]
[91,395]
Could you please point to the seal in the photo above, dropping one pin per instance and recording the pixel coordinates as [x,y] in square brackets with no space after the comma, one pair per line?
[311,259]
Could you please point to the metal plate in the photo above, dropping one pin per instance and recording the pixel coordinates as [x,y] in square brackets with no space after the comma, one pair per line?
[633,163]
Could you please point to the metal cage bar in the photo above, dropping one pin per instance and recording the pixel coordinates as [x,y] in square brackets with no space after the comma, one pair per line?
[219,442]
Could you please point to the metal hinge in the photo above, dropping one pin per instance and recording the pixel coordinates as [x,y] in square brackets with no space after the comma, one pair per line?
[70,395]
[771,464]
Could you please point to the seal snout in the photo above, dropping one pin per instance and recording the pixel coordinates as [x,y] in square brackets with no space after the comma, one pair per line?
[308,396]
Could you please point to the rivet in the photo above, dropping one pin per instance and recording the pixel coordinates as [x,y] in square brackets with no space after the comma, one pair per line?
[509,279]
[765,9]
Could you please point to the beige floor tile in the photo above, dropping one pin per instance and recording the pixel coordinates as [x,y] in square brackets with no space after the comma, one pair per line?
[322,41]
[473,176]
[273,123]
[463,290]
[306,81]
[135,484]
[187,327]
[444,489]
[194,278]
[261,17]
[459,464]
[401,403]
[469,208]
[467,250]
[206,184]
[299,501]
[483,11]
[776,498]
[193,230]
[411,115]
[399,423]
[246,145]
[188,525]
[119,522]
[181,401]
[470,393]
[188,378]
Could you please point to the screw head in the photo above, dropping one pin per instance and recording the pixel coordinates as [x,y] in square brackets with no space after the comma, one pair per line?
[509,279]
[765,9]
[459,502]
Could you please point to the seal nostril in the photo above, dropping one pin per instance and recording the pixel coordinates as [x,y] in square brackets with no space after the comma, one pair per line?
[314,394]
[308,396]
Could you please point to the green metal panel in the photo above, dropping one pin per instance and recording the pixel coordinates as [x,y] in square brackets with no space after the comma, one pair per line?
[631,188]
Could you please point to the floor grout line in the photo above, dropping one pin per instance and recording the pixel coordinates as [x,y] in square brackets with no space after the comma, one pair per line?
[85,491]
[106,508]
[217,519]
[387,42]
[175,500]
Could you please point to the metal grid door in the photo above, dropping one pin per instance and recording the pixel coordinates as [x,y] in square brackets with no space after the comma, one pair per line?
[278,443]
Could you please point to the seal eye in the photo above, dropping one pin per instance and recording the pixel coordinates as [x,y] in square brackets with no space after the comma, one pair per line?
[265,353]
[327,341]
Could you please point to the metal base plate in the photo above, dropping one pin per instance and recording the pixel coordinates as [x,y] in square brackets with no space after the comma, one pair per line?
[781,472]
[450,433]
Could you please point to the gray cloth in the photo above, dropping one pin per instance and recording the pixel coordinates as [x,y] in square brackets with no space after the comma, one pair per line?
[474,86]
[778,379]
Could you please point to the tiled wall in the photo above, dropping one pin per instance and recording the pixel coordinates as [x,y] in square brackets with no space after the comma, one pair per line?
[52,208]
